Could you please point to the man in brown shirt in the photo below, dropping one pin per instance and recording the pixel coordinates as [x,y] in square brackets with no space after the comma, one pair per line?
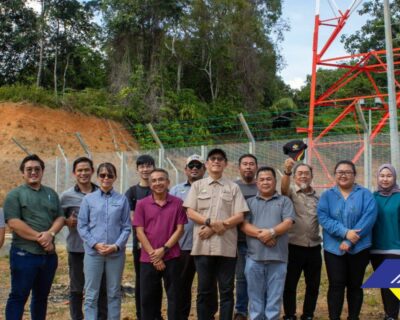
[216,206]
[304,240]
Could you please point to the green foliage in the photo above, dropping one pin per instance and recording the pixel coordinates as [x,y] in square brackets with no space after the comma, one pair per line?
[24,93]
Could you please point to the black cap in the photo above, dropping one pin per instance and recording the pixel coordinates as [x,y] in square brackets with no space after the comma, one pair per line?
[295,149]
[217,151]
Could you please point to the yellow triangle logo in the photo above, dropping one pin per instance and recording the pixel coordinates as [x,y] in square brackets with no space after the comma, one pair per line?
[396,292]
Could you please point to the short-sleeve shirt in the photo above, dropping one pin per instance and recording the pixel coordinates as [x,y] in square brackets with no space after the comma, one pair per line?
[159,223]
[267,214]
[37,208]
[181,191]
[71,200]
[248,190]
[306,231]
[218,200]
[2,222]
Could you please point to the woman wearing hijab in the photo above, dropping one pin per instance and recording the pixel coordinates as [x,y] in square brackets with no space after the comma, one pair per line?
[386,232]
[347,213]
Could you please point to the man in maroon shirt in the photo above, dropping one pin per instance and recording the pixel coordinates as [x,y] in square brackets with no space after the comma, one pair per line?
[159,220]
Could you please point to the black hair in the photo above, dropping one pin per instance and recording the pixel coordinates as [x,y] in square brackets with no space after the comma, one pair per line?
[145,159]
[302,164]
[217,151]
[348,162]
[31,157]
[266,168]
[80,160]
[110,168]
[247,155]
[161,170]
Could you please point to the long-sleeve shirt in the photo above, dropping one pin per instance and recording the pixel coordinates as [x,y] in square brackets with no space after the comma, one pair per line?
[104,218]
[338,215]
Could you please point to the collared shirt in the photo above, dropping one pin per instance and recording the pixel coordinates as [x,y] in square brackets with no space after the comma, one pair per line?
[37,208]
[267,214]
[338,215]
[2,222]
[248,190]
[104,218]
[159,223]
[218,200]
[181,191]
[306,231]
[70,202]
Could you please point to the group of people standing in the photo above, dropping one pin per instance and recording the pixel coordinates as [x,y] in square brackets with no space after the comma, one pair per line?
[209,225]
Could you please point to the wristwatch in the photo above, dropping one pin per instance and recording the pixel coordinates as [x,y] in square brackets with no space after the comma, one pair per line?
[287,173]
[52,234]
[207,222]
[166,249]
[273,233]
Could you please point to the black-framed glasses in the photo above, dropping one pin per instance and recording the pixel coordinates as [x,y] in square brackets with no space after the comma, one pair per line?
[106,175]
[196,165]
[30,170]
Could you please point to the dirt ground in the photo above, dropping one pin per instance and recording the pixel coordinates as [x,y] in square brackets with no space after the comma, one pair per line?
[58,300]
[41,129]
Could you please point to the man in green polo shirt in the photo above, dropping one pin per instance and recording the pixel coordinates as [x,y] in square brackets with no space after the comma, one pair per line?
[34,214]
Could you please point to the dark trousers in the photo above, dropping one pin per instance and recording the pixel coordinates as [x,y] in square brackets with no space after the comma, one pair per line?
[391,304]
[151,282]
[211,270]
[157,302]
[76,286]
[30,272]
[188,271]
[346,271]
[309,260]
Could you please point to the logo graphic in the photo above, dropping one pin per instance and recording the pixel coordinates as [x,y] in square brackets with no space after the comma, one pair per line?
[386,276]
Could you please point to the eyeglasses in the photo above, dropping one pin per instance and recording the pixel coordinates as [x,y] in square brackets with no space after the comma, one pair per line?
[196,165]
[219,159]
[344,173]
[106,175]
[30,170]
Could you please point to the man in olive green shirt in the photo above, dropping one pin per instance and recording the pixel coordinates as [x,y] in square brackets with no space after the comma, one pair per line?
[34,214]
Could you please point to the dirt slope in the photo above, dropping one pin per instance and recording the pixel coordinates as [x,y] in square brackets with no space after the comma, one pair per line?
[40,129]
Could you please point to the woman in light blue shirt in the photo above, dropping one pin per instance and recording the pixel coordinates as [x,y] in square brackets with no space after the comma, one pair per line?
[104,226]
[347,213]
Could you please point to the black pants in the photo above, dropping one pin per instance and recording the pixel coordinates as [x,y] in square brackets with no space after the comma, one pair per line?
[309,260]
[212,270]
[391,304]
[158,301]
[346,271]
[151,282]
[188,271]
[76,286]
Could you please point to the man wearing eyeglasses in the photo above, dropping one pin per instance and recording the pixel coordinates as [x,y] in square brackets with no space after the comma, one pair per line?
[216,206]
[34,214]
[194,170]
[304,240]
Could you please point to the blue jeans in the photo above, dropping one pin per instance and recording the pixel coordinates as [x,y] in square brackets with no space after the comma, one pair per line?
[30,272]
[94,266]
[265,284]
[242,299]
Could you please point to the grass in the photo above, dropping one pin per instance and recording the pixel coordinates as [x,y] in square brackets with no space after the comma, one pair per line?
[58,304]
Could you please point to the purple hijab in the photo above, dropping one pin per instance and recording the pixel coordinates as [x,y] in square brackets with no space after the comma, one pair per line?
[394,188]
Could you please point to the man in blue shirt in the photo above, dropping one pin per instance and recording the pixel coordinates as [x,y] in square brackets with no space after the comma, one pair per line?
[194,171]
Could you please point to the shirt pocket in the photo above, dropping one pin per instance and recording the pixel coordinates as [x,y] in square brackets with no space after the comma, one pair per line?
[203,201]
[226,201]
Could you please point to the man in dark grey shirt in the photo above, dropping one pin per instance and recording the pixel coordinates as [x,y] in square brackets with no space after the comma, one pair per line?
[247,184]
[71,199]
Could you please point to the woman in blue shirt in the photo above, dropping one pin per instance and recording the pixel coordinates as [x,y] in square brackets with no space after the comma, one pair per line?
[347,213]
[386,232]
[104,226]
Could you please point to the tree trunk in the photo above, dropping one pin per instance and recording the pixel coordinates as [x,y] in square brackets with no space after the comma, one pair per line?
[56,61]
[65,73]
[41,46]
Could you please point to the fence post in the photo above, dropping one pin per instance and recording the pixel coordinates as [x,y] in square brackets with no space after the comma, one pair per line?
[122,181]
[252,143]
[175,169]
[56,176]
[23,148]
[161,150]
[83,144]
[66,165]
[203,152]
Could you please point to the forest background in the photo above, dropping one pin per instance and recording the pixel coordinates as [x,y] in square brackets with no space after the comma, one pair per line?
[187,67]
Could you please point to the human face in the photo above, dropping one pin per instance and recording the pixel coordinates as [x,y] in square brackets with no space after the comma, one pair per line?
[216,164]
[386,179]
[83,173]
[248,169]
[266,183]
[106,179]
[303,177]
[144,170]
[194,171]
[344,176]
[159,183]
[33,173]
